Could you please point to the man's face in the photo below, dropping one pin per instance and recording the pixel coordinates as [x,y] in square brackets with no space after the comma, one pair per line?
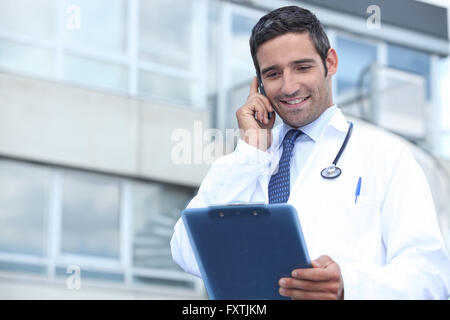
[294,77]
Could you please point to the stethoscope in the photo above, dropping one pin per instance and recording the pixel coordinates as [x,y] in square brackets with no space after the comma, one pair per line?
[333,171]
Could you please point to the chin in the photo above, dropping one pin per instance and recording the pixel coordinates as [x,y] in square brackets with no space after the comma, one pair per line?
[294,124]
[297,122]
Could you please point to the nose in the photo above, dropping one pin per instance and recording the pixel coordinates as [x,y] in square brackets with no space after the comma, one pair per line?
[289,85]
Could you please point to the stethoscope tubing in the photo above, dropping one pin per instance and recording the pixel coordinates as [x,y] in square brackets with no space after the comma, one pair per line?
[344,144]
[332,172]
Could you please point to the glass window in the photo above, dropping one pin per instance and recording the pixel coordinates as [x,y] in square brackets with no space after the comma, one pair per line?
[354,59]
[23,202]
[166,32]
[241,29]
[103,26]
[27,59]
[242,69]
[242,75]
[444,94]
[151,83]
[21,267]
[90,215]
[29,17]
[95,73]
[214,41]
[156,209]
[411,60]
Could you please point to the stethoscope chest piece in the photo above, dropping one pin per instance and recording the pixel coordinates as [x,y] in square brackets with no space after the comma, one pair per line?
[331,172]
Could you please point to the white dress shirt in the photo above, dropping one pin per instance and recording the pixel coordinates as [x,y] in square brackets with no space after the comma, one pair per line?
[387,243]
[304,144]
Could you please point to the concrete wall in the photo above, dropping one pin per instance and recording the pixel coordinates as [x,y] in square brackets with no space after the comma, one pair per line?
[62,124]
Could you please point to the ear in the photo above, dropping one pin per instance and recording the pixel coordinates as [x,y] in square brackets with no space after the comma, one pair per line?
[332,61]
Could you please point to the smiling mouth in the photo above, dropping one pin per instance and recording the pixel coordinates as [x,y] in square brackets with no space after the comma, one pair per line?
[295,102]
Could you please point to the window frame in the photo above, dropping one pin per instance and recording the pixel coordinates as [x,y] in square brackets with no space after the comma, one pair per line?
[129,58]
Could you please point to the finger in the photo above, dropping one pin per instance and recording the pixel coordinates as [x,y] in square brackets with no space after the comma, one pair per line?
[267,107]
[260,109]
[257,103]
[253,86]
[314,274]
[259,112]
[252,106]
[265,101]
[307,285]
[306,295]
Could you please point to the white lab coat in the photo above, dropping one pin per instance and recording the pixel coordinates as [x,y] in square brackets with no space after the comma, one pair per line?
[388,245]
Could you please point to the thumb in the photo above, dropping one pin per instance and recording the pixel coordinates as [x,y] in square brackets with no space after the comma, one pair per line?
[316,264]
[322,262]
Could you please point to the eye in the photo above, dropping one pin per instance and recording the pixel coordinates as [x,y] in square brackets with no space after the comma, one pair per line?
[302,68]
[271,74]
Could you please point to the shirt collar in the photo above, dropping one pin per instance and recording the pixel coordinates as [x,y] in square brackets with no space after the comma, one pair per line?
[332,116]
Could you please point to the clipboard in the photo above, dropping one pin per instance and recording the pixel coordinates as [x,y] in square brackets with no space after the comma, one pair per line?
[243,250]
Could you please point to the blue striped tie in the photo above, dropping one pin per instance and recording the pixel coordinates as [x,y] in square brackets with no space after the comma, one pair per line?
[279,184]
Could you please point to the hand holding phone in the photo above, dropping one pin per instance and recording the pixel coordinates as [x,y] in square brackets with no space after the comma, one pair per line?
[253,119]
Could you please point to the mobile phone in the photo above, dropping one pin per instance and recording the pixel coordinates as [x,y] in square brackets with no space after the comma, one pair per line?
[261,90]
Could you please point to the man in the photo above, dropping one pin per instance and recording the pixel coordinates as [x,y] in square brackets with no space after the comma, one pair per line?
[373,229]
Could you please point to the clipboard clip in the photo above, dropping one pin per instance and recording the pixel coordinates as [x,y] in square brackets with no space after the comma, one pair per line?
[230,204]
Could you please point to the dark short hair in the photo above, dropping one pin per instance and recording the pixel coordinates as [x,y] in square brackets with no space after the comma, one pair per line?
[285,20]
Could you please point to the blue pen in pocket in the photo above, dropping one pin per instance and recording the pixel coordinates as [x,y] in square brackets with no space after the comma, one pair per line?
[358,189]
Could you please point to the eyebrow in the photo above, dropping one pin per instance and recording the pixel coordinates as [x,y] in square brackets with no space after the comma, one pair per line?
[265,70]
